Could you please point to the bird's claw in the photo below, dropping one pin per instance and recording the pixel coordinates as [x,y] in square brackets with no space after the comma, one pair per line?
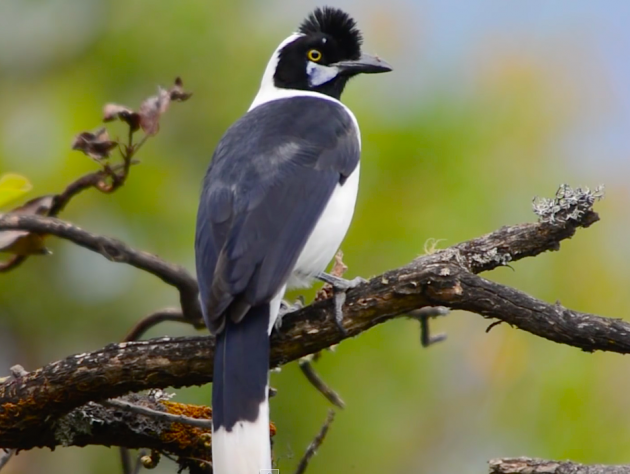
[287,308]
[340,287]
[339,298]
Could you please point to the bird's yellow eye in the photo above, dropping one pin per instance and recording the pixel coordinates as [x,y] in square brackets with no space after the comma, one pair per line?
[314,55]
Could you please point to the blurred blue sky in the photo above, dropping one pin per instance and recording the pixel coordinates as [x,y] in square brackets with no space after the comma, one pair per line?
[591,40]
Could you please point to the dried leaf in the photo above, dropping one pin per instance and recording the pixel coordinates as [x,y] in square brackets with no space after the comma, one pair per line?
[95,145]
[38,206]
[12,186]
[152,109]
[177,91]
[339,268]
[21,242]
[120,112]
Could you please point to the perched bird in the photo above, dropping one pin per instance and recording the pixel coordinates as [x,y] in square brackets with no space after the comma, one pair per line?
[276,202]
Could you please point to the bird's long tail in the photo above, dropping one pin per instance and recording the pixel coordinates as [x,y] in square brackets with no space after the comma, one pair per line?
[240,405]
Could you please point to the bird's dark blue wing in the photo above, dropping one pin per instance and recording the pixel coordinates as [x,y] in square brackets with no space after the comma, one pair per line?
[269,181]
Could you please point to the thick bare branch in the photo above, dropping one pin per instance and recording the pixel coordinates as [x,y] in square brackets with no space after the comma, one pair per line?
[445,278]
[94,424]
[525,465]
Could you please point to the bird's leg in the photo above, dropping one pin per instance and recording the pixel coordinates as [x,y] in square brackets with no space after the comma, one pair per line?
[286,308]
[340,287]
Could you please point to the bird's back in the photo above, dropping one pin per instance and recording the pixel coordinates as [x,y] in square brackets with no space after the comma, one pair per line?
[271,177]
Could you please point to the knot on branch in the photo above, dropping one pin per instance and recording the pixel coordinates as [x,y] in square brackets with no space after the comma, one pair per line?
[568,205]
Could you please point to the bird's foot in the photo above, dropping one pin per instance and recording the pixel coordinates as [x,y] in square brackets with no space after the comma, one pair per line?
[340,288]
[287,308]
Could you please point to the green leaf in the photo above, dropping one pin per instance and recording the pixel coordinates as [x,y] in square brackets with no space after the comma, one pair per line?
[12,186]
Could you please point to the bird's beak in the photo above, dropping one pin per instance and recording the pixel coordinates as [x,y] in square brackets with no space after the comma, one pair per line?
[367,64]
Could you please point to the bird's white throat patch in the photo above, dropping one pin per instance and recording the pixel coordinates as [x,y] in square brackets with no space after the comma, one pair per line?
[319,74]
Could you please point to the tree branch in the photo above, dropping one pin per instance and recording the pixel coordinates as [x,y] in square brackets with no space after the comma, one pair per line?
[115,251]
[203,423]
[444,278]
[525,465]
[94,424]
[167,314]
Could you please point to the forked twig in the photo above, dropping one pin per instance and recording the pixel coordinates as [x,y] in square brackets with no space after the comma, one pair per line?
[113,250]
[315,444]
[313,377]
[161,415]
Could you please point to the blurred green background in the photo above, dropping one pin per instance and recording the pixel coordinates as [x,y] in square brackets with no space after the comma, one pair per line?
[491,103]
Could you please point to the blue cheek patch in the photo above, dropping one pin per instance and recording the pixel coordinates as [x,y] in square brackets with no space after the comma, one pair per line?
[318,74]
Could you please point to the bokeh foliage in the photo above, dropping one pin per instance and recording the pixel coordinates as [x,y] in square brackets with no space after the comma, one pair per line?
[438,163]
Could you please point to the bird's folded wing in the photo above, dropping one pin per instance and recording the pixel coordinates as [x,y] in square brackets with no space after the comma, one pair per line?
[271,178]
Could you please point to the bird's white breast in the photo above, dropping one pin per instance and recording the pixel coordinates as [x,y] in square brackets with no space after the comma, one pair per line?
[328,234]
[334,222]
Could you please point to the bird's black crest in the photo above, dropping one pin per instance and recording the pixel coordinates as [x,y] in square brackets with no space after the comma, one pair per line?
[338,25]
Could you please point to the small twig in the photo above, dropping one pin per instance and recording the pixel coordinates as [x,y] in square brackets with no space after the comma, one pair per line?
[202,462]
[14,262]
[6,456]
[115,251]
[61,200]
[167,314]
[313,377]
[315,444]
[524,465]
[424,315]
[161,415]
[85,182]
[193,465]
[492,326]
[125,461]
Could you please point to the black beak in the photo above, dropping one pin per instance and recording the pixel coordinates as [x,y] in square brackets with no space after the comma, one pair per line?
[367,64]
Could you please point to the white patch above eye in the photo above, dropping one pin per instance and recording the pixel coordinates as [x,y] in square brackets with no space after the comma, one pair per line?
[319,74]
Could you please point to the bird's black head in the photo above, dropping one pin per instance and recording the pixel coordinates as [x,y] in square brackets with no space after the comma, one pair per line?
[324,54]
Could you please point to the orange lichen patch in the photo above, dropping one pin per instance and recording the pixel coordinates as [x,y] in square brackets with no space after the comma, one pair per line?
[186,437]
[191,411]
[11,411]
[195,441]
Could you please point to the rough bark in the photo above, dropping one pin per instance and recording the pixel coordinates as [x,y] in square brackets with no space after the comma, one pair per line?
[525,465]
[445,278]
